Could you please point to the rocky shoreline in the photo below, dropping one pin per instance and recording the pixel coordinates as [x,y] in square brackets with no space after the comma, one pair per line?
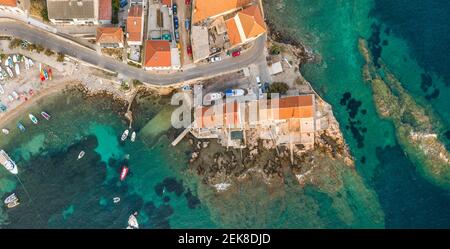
[220,168]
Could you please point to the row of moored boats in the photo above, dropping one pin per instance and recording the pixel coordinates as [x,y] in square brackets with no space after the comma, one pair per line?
[32,118]
[125,135]
[12,200]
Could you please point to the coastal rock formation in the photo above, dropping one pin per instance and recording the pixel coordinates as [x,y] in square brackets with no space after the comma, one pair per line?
[416,127]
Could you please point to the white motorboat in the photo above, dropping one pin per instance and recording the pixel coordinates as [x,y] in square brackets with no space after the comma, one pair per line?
[10,73]
[8,163]
[17,69]
[27,64]
[15,95]
[81,155]
[11,201]
[116,199]
[124,135]
[133,136]
[33,118]
[132,222]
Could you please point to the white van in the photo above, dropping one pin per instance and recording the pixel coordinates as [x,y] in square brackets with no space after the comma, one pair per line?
[258,80]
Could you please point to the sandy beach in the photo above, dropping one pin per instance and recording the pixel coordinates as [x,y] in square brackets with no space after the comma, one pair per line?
[16,111]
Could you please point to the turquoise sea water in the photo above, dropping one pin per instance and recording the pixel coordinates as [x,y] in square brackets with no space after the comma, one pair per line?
[410,37]
[385,190]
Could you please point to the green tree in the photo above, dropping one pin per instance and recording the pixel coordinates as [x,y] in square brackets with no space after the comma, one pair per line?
[49,52]
[115,11]
[137,83]
[60,57]
[39,48]
[278,87]
[275,49]
[44,14]
[15,43]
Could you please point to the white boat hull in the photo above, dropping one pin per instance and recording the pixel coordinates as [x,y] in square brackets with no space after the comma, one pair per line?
[124,135]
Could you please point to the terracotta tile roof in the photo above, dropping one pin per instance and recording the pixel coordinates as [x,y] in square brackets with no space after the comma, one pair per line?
[134,23]
[165,2]
[252,21]
[232,31]
[247,24]
[10,3]
[109,35]
[105,10]
[206,117]
[295,107]
[157,54]
[207,8]
[288,108]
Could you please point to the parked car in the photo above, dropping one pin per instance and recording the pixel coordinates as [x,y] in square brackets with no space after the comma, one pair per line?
[236,53]
[217,58]
[212,59]
[234,92]
[177,36]
[123,3]
[258,80]
[187,23]
[213,96]
[174,9]
[187,2]
[189,50]
[175,22]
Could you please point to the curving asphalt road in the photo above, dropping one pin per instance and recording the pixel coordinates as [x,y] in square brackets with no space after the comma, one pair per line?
[52,41]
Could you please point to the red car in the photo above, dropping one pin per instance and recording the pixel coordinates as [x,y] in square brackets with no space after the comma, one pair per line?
[189,50]
[236,53]
[187,2]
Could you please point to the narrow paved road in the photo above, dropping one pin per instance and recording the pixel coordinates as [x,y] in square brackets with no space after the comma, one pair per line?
[48,40]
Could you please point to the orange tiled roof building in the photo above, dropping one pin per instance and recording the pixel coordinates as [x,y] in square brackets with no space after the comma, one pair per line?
[110,37]
[157,55]
[246,25]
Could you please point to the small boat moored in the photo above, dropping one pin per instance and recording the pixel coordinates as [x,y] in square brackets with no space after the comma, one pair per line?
[15,95]
[81,155]
[17,69]
[132,222]
[124,135]
[46,115]
[133,136]
[11,201]
[21,127]
[116,199]
[124,172]
[8,163]
[33,118]
[10,73]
